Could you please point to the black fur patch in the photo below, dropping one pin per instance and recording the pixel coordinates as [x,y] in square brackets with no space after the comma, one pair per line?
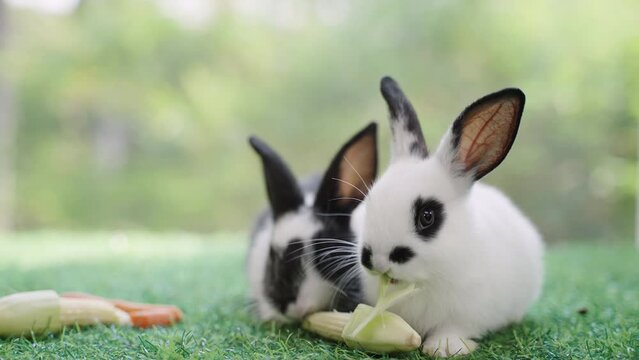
[401,254]
[330,256]
[333,260]
[437,208]
[333,247]
[366,258]
[285,274]
[417,149]
[283,191]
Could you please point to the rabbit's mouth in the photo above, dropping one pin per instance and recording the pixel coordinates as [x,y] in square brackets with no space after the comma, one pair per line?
[392,280]
[387,274]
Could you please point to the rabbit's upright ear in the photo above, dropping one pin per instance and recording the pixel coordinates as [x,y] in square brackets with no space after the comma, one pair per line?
[407,137]
[482,135]
[350,174]
[284,193]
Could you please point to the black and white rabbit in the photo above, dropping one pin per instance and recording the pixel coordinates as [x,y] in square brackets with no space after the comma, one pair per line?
[298,262]
[475,258]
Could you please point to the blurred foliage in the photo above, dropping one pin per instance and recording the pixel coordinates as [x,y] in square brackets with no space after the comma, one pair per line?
[129,118]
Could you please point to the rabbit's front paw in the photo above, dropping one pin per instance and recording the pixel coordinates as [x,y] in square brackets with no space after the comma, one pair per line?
[448,345]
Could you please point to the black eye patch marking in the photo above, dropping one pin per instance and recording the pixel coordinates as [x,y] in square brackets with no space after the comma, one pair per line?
[284,274]
[401,254]
[366,258]
[429,215]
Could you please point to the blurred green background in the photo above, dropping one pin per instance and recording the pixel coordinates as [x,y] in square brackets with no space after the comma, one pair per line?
[134,114]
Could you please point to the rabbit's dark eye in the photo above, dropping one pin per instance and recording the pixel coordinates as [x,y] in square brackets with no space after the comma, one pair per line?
[429,216]
[426,219]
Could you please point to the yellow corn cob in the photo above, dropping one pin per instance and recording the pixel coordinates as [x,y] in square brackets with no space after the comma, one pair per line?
[40,312]
[328,324]
[384,333]
[370,328]
[37,311]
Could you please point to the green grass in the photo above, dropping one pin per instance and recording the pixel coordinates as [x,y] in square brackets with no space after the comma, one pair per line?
[204,276]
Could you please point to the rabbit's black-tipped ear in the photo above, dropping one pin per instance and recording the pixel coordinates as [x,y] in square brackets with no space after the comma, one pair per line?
[407,137]
[284,193]
[350,174]
[482,135]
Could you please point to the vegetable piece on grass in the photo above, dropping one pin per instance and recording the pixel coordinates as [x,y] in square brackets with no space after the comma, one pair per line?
[370,328]
[385,333]
[41,312]
[327,324]
[26,312]
[158,316]
[128,306]
[91,312]
[386,298]
[142,315]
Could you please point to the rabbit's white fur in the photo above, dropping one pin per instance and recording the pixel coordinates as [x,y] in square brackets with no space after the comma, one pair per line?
[302,257]
[315,292]
[481,270]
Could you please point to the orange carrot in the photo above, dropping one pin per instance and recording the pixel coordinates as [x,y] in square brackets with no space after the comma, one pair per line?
[158,316]
[130,307]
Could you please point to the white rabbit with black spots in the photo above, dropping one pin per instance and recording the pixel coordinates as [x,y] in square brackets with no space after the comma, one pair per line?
[303,256]
[476,260]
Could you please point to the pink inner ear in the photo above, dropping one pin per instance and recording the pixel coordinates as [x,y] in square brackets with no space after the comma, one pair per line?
[487,133]
[357,169]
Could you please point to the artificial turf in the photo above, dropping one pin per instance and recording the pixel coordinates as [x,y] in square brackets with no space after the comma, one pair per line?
[589,309]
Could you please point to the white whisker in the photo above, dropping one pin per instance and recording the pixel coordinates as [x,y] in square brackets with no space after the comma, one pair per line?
[313,242]
[357,172]
[316,240]
[345,282]
[334,214]
[349,276]
[353,186]
[346,198]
